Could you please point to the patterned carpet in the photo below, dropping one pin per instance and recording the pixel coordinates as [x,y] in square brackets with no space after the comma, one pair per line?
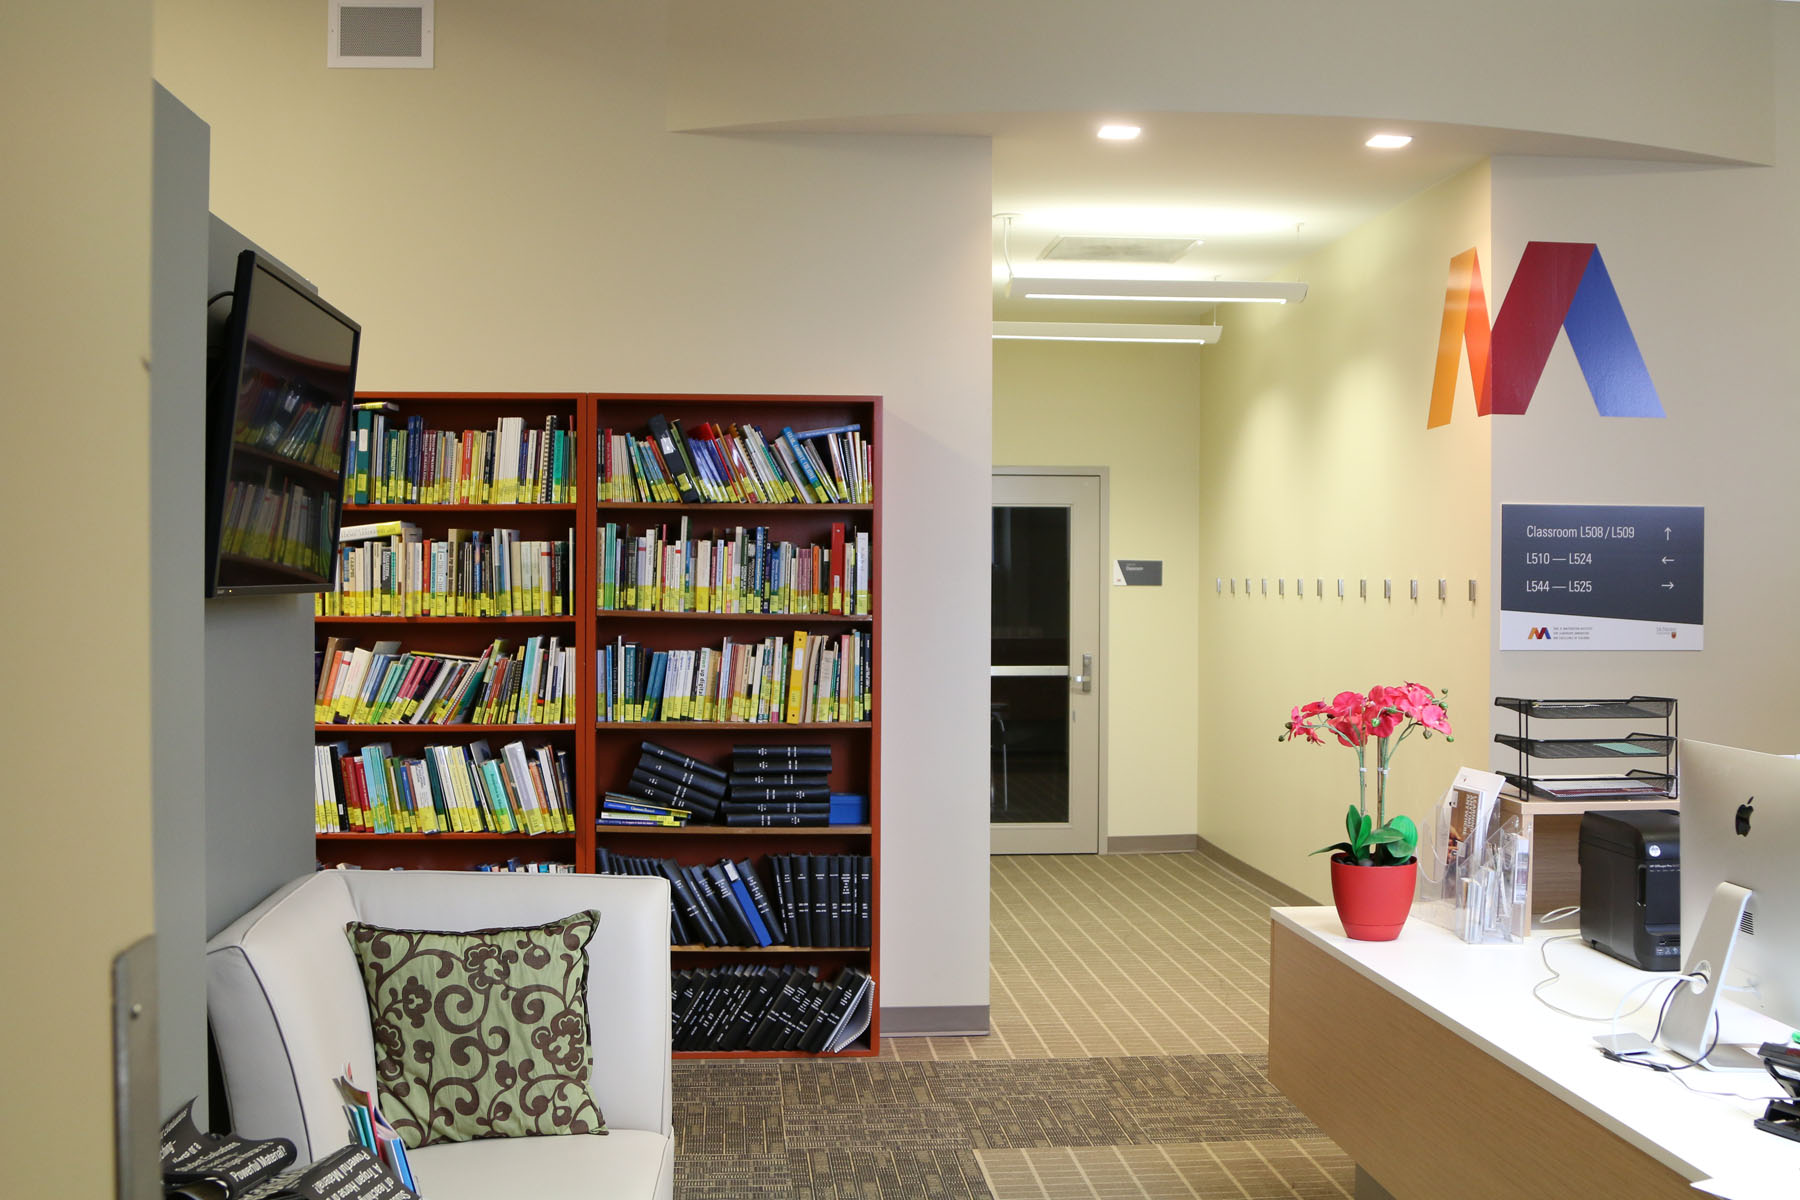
[1129,1006]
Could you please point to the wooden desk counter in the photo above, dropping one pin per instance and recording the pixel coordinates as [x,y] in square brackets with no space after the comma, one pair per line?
[1469,1088]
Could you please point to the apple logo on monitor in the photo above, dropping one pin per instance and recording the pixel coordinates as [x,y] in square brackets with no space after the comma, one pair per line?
[1744,814]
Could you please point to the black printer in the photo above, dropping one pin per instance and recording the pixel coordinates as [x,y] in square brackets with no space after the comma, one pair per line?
[1631,886]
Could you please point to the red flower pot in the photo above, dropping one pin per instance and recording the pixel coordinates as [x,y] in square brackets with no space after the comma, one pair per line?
[1372,902]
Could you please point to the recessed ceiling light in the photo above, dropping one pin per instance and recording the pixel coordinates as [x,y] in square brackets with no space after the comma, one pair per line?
[1388,141]
[1119,133]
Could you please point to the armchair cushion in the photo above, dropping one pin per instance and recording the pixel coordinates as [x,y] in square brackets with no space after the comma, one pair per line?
[483,1033]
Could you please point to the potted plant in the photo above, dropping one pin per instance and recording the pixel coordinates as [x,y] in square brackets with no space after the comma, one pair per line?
[1373,871]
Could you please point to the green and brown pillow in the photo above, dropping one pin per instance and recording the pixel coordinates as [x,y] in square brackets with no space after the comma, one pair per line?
[480,1034]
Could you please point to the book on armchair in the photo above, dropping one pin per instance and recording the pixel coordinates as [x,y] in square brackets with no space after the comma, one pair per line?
[206,1166]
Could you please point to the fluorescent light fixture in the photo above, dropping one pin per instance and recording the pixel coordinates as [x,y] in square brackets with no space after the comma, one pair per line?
[1189,291]
[1075,331]
[1388,141]
[1119,133]
[1156,220]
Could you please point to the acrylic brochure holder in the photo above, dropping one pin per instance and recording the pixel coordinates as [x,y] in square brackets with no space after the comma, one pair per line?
[1474,866]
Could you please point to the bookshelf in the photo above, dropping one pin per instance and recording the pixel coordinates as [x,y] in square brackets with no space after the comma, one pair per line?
[601,753]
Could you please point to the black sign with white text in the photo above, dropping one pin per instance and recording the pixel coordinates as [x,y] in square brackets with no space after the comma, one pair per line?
[1634,572]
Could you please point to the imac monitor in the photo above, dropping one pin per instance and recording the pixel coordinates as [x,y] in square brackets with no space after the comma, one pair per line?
[277,414]
[1740,826]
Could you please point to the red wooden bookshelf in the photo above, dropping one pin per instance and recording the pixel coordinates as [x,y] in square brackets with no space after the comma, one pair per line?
[604,753]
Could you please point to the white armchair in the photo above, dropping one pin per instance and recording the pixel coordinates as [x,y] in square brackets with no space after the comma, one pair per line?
[288,1011]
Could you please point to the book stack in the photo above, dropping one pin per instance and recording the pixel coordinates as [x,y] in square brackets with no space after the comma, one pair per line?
[385,686]
[823,899]
[390,569]
[735,465]
[720,905]
[672,781]
[406,463]
[819,678]
[739,571]
[759,1007]
[778,786]
[463,788]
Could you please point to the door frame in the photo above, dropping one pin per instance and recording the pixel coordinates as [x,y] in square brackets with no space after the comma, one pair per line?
[1101,687]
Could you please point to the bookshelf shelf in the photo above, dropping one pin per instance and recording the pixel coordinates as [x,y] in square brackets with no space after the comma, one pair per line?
[633,614]
[283,461]
[739,727]
[734,831]
[431,621]
[378,510]
[444,837]
[606,506]
[443,729]
[601,754]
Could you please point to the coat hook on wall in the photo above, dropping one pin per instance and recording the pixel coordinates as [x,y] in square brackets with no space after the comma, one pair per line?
[1281,586]
[1471,591]
[1387,589]
[1219,585]
[1443,589]
[1340,589]
[1319,588]
[1415,589]
[1265,585]
[1362,589]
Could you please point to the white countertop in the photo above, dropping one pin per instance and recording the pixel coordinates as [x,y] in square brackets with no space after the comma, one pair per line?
[1483,993]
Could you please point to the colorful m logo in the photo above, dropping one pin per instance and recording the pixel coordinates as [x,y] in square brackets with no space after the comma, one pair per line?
[1538,633]
[1558,286]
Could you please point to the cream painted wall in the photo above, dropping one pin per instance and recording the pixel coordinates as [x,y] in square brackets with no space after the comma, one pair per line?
[519,218]
[74,338]
[1704,261]
[1685,74]
[1136,410]
[1315,463]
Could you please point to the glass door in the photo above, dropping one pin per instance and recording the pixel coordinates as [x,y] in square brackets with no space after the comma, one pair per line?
[1044,699]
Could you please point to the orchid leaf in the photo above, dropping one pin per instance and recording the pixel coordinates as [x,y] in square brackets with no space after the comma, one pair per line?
[1339,847]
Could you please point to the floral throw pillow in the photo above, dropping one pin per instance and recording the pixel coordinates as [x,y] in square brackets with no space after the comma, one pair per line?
[480,1034]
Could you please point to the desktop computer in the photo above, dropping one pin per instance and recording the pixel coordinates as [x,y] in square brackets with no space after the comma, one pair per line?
[1631,886]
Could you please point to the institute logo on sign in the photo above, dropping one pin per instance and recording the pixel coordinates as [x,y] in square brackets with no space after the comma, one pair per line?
[1538,633]
[1559,287]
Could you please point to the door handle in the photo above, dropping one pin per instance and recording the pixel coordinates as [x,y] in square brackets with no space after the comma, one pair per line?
[1085,680]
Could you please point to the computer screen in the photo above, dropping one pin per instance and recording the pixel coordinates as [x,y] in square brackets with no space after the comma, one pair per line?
[1740,823]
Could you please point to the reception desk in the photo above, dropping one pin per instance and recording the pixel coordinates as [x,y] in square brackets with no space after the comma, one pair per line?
[1428,1061]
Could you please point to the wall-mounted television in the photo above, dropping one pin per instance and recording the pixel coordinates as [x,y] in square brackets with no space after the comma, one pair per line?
[278,406]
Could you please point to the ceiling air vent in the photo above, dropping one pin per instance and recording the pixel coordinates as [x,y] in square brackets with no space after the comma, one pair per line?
[379,33]
[1119,249]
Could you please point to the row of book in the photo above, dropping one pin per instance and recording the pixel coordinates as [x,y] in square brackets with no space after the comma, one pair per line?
[383,685]
[815,678]
[463,788]
[768,785]
[735,465]
[390,569]
[724,904]
[279,520]
[403,462]
[753,1006]
[744,571]
[288,418]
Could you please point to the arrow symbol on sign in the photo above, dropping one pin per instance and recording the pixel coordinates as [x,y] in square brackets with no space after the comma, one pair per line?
[1665,533]
[1669,586]
[1667,560]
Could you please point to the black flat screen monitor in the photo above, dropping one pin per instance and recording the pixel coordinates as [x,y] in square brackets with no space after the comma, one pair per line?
[277,411]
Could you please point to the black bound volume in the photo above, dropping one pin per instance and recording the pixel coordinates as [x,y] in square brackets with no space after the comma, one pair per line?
[820,794]
[683,761]
[649,764]
[755,779]
[777,821]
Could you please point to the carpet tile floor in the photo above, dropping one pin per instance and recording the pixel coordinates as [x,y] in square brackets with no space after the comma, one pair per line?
[1127,1059]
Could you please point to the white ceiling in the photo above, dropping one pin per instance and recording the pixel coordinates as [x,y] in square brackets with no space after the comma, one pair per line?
[1259,191]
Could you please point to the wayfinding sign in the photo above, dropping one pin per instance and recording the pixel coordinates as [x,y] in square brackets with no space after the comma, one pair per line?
[1602,577]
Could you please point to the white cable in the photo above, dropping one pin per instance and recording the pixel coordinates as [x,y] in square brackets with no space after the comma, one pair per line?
[1559,914]
[1555,976]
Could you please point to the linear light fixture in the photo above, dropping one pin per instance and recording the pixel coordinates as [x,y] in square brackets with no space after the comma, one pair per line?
[1119,133]
[1077,331]
[1388,141]
[1192,291]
